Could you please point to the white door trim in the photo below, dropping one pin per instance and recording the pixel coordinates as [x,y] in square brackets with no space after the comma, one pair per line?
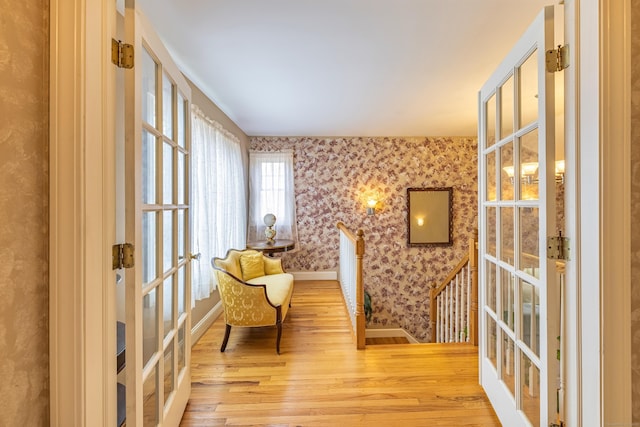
[82,285]
[571,334]
[603,246]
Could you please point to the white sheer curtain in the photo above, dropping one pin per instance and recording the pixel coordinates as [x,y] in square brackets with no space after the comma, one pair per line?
[271,190]
[219,202]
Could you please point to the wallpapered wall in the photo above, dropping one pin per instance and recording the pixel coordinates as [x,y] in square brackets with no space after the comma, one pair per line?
[24,331]
[635,208]
[333,176]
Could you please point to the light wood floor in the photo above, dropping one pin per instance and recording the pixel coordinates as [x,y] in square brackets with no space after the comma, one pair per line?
[320,379]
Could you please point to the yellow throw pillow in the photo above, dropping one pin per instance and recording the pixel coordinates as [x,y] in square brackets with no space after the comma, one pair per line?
[272,266]
[252,265]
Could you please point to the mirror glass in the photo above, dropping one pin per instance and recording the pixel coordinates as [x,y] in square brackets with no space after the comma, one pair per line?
[429,216]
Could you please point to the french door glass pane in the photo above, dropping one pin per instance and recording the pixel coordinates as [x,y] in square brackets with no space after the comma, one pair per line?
[530,391]
[148,168]
[167,173]
[529,165]
[150,399]
[530,241]
[182,117]
[149,88]
[181,348]
[491,230]
[180,178]
[491,121]
[169,384]
[531,316]
[529,90]
[149,326]
[506,108]
[167,103]
[491,176]
[181,291]
[507,234]
[167,296]
[508,296]
[506,171]
[492,341]
[508,363]
[149,233]
[167,241]
[491,285]
[181,234]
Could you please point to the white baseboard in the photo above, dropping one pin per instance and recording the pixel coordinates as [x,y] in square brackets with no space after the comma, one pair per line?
[198,330]
[314,275]
[389,333]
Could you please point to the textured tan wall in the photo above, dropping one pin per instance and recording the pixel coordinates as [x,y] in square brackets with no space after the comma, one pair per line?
[635,207]
[24,335]
[331,177]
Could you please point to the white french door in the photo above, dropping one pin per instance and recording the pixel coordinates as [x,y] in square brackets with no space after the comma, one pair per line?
[157,217]
[519,297]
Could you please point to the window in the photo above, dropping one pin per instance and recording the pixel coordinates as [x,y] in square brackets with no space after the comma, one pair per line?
[272,191]
[219,203]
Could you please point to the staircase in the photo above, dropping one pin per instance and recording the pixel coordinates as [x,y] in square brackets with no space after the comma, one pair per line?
[386,340]
[454,303]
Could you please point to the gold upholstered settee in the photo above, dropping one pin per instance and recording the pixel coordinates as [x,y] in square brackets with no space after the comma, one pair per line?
[255,291]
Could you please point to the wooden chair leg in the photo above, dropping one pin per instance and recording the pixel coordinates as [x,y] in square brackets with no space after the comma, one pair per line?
[227,331]
[279,325]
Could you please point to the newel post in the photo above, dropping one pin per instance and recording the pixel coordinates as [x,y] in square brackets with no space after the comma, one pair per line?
[433,314]
[473,267]
[360,318]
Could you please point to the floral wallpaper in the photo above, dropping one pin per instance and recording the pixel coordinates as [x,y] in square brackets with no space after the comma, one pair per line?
[334,178]
[635,209]
[24,209]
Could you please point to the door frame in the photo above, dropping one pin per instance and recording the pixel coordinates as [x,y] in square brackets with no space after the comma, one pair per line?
[82,316]
[602,121]
[81,301]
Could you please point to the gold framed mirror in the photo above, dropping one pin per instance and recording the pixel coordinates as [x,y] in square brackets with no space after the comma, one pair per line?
[429,216]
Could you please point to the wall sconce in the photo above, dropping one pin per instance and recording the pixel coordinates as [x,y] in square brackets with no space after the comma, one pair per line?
[371,206]
[420,221]
[528,172]
[509,171]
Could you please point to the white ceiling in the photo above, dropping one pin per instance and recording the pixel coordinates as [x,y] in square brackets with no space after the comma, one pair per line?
[342,67]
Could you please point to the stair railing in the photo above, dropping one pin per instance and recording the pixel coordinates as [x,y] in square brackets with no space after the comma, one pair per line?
[454,303]
[351,281]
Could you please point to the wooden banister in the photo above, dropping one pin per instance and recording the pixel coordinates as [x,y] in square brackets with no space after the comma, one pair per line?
[346,231]
[457,269]
[360,322]
[469,261]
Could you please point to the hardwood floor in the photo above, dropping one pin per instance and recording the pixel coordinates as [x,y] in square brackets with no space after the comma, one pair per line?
[320,379]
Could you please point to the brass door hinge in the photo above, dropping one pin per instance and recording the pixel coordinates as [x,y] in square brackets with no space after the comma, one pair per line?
[122,256]
[558,247]
[122,54]
[557,59]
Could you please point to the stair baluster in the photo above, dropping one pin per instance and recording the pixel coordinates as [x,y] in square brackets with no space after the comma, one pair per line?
[454,303]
